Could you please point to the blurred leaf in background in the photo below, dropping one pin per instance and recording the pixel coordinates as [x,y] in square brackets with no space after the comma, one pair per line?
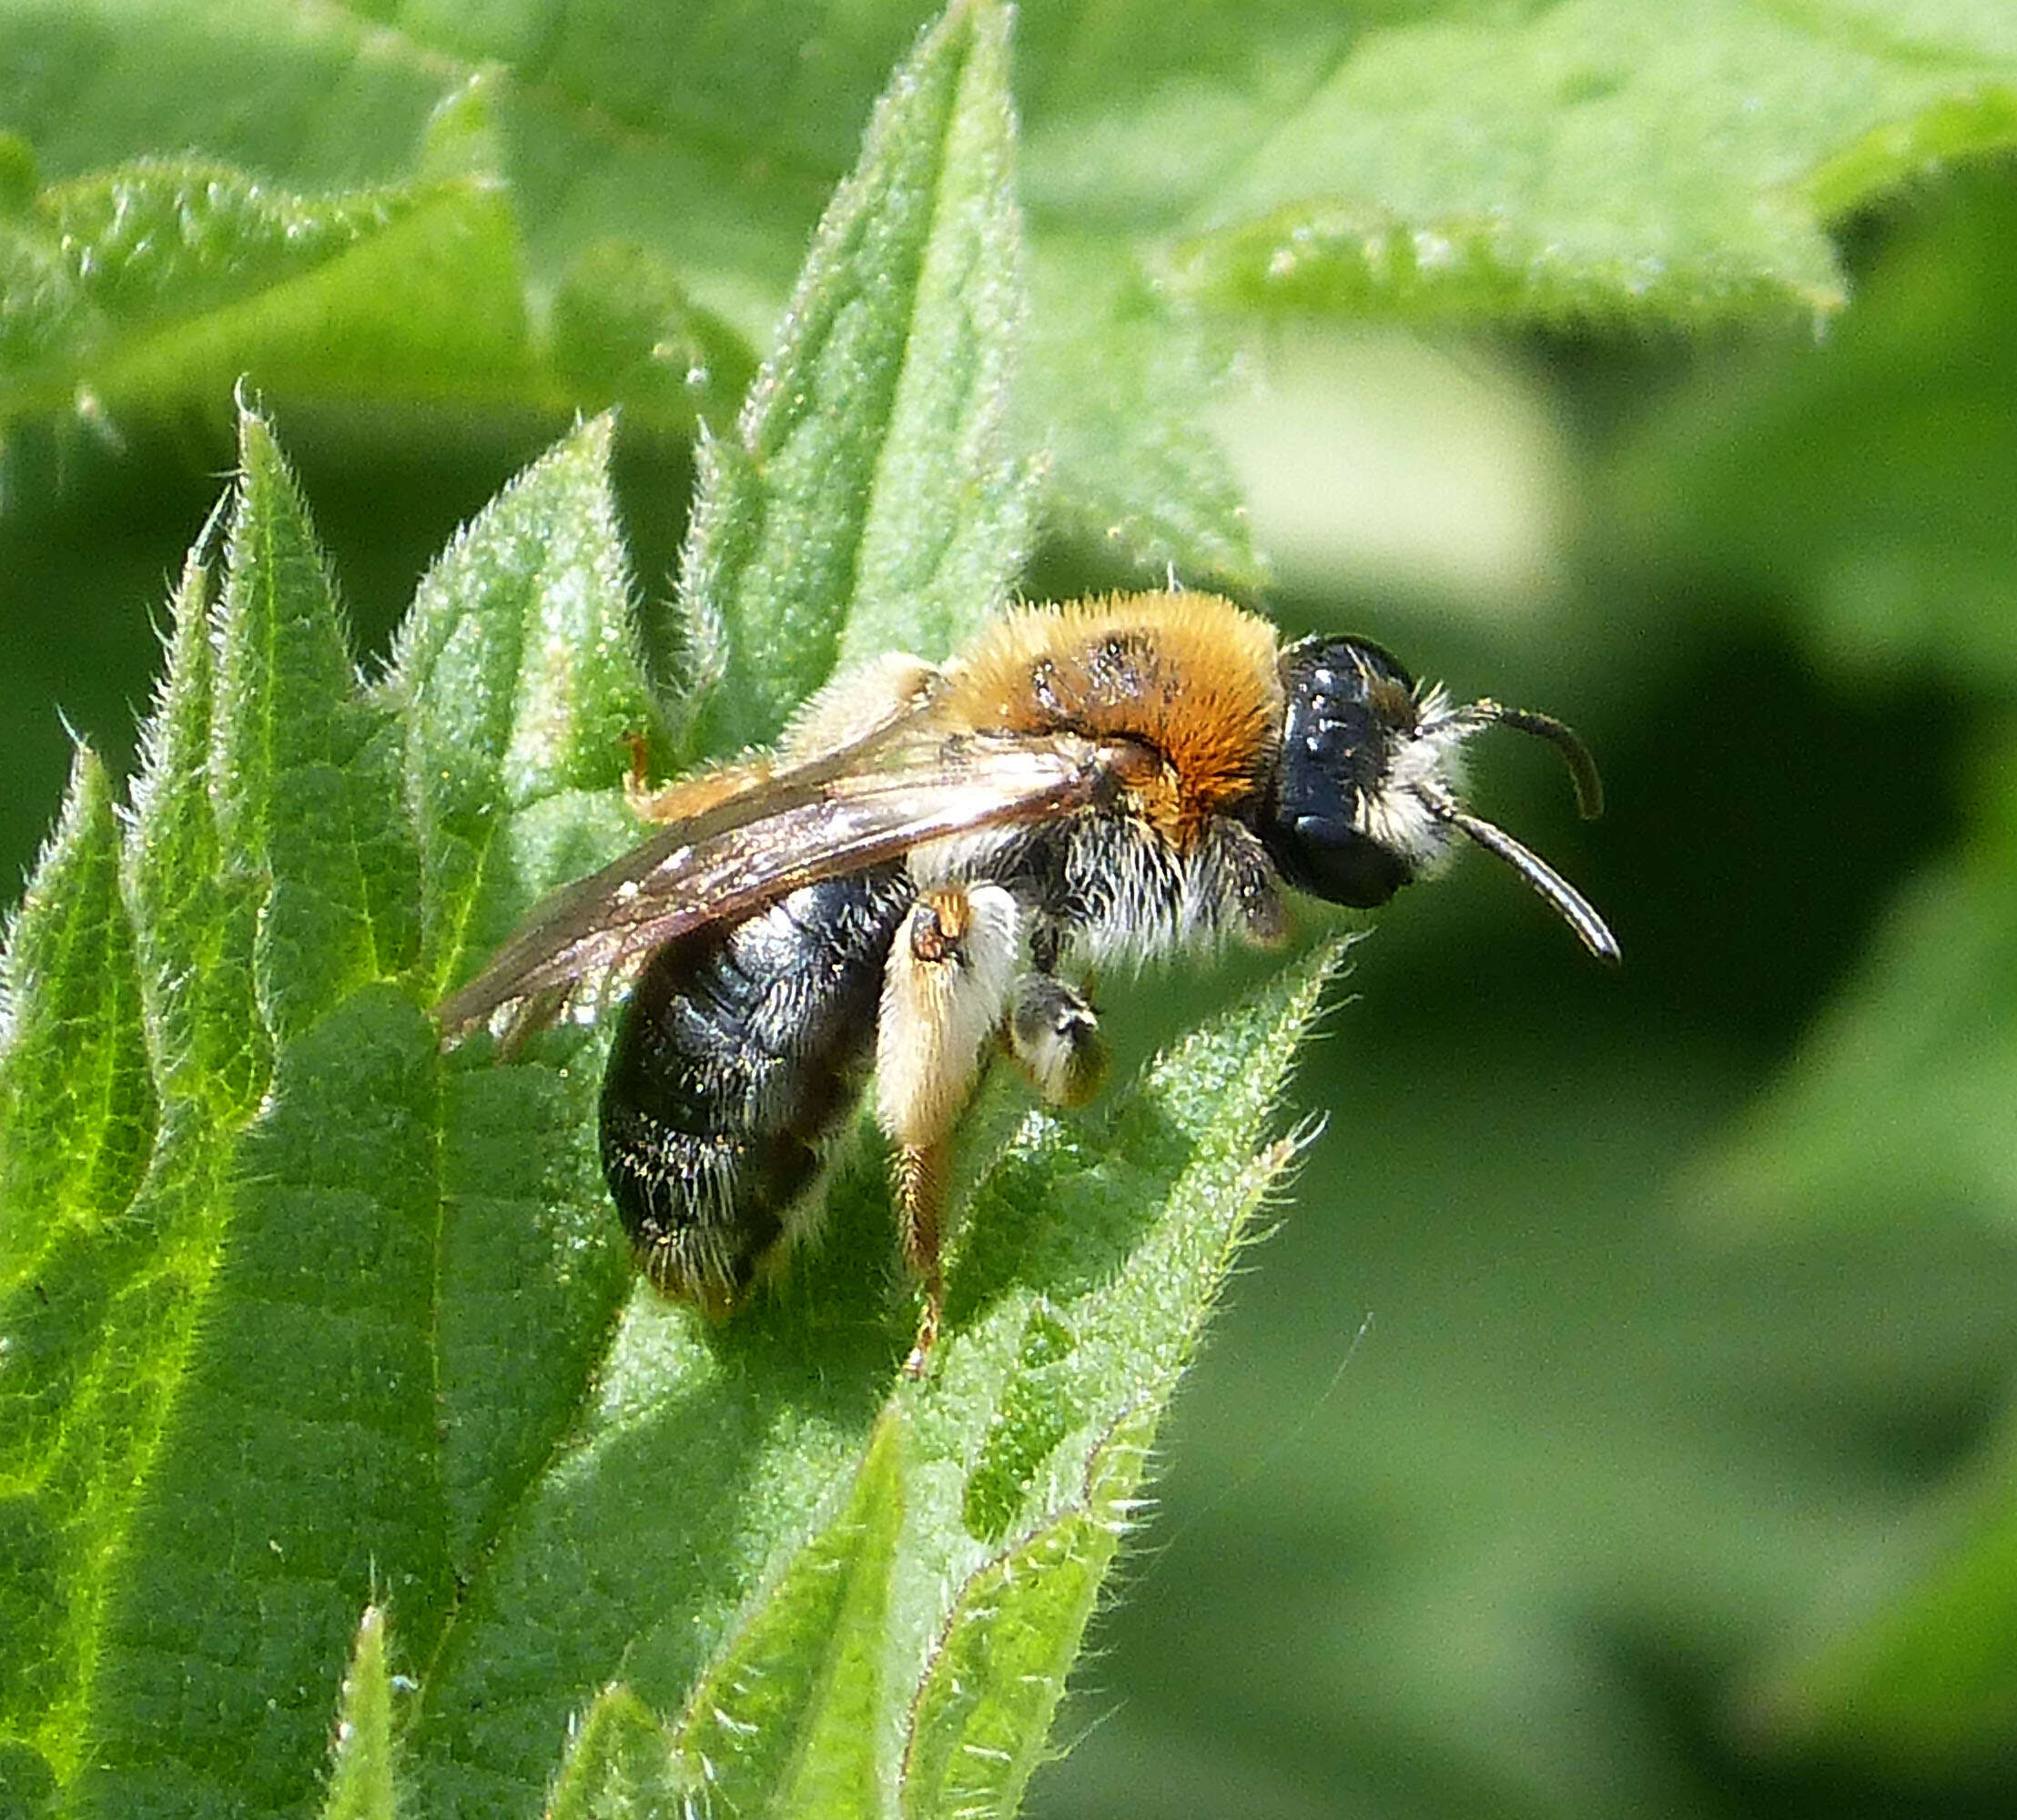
[1668,1476]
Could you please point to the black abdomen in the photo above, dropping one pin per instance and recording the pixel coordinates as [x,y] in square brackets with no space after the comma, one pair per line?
[740,1052]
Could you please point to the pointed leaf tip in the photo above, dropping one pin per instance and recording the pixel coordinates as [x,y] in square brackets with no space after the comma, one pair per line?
[363,1776]
[77,1104]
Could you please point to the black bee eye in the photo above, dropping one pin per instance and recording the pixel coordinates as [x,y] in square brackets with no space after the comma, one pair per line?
[1348,703]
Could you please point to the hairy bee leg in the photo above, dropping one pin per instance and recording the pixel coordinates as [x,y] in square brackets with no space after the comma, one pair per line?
[951,972]
[1054,1035]
[855,705]
[858,703]
[687,797]
[920,1176]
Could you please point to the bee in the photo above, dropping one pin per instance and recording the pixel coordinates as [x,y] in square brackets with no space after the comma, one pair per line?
[926,870]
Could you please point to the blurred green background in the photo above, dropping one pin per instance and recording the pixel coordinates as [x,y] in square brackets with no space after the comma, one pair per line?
[1616,1420]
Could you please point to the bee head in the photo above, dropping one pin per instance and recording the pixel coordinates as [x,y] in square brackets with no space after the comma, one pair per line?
[1350,705]
[1364,792]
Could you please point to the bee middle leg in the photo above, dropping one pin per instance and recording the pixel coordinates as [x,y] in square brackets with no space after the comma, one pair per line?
[946,985]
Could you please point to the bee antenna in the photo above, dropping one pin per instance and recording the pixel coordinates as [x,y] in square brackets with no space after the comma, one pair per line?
[1569,904]
[1590,786]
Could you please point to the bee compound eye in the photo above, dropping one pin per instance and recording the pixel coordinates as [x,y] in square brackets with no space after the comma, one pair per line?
[1335,862]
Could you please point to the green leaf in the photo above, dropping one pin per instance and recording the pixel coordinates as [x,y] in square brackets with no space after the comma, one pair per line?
[363,1782]
[1583,161]
[77,1119]
[517,680]
[983,1715]
[1092,1251]
[291,1290]
[302,770]
[331,1314]
[375,1375]
[867,497]
[1922,1686]
[1636,160]
[517,675]
[623,329]
[1897,1096]
[75,1059]
[101,1318]
[1122,373]
[315,1308]
[1863,484]
[787,1719]
[620,1767]
[196,919]
[355,1343]
[170,279]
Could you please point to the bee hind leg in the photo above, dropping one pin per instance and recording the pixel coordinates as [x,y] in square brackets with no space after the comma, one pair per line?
[946,988]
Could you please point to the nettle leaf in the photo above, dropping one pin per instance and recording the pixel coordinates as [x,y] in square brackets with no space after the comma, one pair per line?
[867,499]
[653,182]
[78,1115]
[927,1622]
[172,278]
[100,1286]
[619,1766]
[290,1451]
[786,1719]
[518,680]
[1894,1097]
[1864,482]
[984,1712]
[1581,161]
[1122,372]
[519,676]
[1916,1680]
[273,1367]
[302,1320]
[361,1775]
[1630,160]
[77,1053]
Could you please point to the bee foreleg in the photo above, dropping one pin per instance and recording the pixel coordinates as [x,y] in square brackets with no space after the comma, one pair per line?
[859,703]
[854,706]
[1054,1035]
[951,970]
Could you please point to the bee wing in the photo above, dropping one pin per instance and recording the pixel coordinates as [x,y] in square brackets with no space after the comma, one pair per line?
[798,827]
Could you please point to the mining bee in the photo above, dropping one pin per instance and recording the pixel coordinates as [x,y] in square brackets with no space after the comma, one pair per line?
[926,868]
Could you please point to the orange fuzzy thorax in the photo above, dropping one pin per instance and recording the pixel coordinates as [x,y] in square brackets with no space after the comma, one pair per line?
[1190,676]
